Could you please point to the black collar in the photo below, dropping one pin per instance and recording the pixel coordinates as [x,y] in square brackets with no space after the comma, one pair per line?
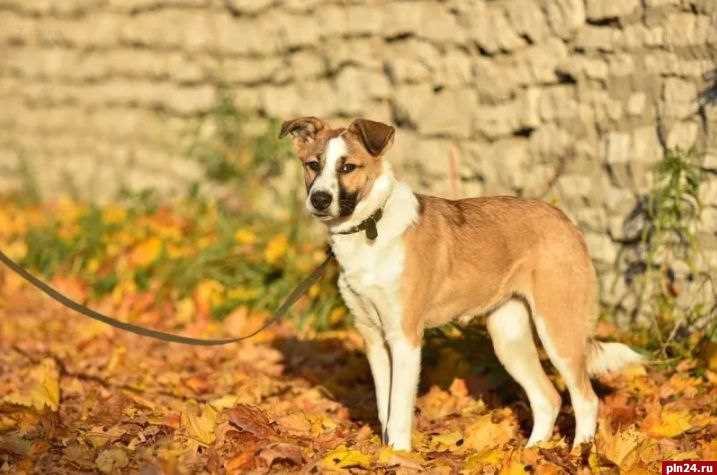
[368,225]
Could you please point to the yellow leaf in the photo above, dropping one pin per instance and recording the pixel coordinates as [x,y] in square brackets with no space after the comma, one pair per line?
[487,457]
[594,461]
[209,292]
[485,434]
[43,389]
[200,427]
[320,424]
[342,457]
[446,440]
[276,248]
[68,211]
[17,250]
[113,214]
[185,310]
[146,252]
[617,447]
[337,315]
[178,250]
[669,424]
[245,236]
[225,402]
[513,467]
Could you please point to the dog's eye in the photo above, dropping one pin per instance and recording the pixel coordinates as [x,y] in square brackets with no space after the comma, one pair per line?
[347,168]
[313,165]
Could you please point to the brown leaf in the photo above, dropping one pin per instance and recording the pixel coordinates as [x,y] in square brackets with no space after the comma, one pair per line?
[241,460]
[111,460]
[295,424]
[198,384]
[251,419]
[281,451]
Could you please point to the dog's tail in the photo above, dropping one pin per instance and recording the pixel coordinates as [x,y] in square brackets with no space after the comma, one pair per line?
[606,357]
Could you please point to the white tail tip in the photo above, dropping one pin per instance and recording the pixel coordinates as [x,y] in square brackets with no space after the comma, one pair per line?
[606,357]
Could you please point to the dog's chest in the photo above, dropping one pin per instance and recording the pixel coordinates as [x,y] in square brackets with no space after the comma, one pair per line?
[372,274]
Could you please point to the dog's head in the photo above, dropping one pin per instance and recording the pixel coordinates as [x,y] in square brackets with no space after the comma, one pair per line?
[340,165]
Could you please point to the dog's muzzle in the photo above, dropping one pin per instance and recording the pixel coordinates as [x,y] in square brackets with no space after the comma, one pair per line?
[320,200]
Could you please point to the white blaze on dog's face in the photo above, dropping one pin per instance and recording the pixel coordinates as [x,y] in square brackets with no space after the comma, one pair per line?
[340,165]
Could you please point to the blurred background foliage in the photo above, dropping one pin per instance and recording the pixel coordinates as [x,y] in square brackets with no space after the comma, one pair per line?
[205,254]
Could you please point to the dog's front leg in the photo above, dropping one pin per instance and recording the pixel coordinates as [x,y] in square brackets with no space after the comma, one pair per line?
[405,370]
[378,360]
[368,323]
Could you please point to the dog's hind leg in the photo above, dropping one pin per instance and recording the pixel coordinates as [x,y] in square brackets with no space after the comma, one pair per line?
[564,326]
[512,335]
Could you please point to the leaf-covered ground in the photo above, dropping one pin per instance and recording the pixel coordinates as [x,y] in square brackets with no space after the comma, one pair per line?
[77,396]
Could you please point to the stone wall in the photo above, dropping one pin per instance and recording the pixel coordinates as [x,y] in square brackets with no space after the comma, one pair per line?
[569,100]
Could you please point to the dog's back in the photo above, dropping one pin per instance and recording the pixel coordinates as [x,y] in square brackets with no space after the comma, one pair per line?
[476,253]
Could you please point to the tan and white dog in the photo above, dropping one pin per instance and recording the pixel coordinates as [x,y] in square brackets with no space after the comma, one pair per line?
[410,262]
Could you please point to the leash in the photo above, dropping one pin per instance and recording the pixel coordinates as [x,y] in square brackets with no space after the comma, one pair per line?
[295,294]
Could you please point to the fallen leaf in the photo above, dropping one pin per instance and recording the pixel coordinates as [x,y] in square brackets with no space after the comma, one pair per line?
[227,401]
[276,248]
[446,440]
[666,423]
[617,447]
[492,457]
[146,252]
[241,460]
[513,467]
[296,424]
[111,460]
[42,390]
[281,451]
[408,460]
[709,450]
[345,458]
[200,427]
[251,419]
[548,468]
[486,434]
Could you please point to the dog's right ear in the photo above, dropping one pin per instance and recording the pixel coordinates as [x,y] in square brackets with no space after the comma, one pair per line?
[303,128]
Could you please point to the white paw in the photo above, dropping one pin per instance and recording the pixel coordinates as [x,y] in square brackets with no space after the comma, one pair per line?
[401,445]
[399,439]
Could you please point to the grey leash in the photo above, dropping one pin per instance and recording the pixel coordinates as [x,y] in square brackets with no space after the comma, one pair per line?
[295,294]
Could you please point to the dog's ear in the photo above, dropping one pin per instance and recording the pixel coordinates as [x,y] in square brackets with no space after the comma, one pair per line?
[303,128]
[375,136]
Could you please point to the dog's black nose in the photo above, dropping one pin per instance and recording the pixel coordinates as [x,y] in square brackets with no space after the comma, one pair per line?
[320,200]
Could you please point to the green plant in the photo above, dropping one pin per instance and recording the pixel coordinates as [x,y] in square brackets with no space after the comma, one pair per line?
[29,189]
[674,287]
[229,154]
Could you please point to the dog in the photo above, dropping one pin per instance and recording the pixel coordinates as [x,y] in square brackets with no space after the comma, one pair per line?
[410,262]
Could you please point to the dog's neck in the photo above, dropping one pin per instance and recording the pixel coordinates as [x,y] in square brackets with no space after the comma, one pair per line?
[375,199]
[399,209]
